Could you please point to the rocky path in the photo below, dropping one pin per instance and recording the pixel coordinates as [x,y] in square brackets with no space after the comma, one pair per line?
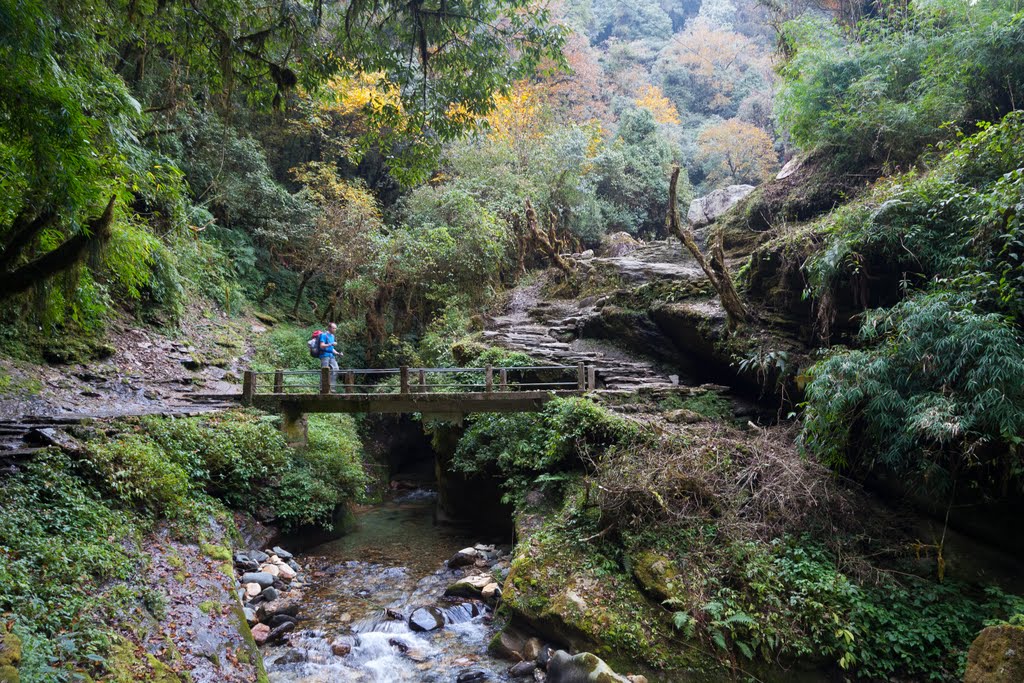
[146,373]
[552,331]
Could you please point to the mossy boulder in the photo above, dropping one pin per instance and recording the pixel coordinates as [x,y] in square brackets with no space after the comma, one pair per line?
[584,667]
[996,656]
[575,597]
[656,574]
[10,657]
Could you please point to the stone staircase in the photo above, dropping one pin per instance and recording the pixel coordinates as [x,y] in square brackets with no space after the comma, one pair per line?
[549,331]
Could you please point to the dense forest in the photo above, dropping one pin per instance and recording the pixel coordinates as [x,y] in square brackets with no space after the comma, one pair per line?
[230,175]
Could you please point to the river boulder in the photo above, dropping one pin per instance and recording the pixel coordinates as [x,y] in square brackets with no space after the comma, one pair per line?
[426,619]
[463,558]
[705,210]
[582,668]
[469,587]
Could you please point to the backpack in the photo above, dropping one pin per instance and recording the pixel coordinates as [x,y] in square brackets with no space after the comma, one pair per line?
[314,344]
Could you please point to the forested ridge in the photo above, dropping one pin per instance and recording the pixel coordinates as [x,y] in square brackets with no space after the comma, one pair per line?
[226,175]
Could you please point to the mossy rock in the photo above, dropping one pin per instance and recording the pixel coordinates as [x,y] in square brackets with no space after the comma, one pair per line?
[71,350]
[265,318]
[195,361]
[10,657]
[996,656]
[129,663]
[656,575]
[216,552]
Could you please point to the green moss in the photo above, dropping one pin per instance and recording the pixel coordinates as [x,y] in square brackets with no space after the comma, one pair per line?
[129,663]
[216,552]
[578,594]
[707,404]
[209,606]
[23,386]
[656,574]
[251,651]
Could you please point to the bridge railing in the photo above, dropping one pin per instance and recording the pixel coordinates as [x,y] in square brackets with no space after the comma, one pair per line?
[411,380]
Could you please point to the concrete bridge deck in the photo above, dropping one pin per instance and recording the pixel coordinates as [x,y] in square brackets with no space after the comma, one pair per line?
[436,391]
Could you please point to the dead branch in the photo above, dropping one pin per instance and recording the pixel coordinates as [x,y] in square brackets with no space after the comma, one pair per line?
[716,272]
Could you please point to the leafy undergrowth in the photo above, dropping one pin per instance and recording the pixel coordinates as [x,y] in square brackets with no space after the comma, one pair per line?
[710,546]
[74,528]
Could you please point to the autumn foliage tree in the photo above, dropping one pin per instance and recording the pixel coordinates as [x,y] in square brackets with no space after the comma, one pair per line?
[710,70]
[734,152]
[653,100]
[340,241]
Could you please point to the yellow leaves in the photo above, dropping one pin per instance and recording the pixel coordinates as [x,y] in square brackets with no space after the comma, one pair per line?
[362,93]
[518,116]
[460,114]
[653,100]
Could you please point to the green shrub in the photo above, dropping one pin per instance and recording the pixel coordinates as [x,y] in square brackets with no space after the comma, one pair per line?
[63,549]
[786,599]
[134,470]
[532,448]
[231,454]
[940,380]
[885,93]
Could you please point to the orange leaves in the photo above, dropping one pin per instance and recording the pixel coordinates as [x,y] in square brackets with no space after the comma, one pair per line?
[653,100]
[736,152]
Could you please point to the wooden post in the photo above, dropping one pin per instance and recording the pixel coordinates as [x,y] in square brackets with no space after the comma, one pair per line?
[591,378]
[423,381]
[279,381]
[404,375]
[350,382]
[489,379]
[325,380]
[248,386]
[581,378]
[503,380]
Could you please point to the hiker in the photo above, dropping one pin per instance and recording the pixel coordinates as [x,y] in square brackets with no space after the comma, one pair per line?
[327,351]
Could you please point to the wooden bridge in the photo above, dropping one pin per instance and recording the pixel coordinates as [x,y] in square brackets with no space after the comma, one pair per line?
[438,393]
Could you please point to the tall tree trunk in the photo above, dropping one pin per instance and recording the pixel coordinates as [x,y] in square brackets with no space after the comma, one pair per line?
[306,277]
[716,270]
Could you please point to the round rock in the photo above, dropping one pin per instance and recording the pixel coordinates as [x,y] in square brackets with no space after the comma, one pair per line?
[426,619]
[264,579]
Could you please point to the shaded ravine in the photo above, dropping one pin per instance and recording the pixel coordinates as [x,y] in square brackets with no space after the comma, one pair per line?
[354,614]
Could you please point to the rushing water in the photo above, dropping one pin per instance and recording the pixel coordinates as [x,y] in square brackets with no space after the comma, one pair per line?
[393,564]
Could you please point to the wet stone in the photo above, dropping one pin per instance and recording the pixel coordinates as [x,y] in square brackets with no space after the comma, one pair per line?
[426,619]
[270,594]
[279,619]
[282,553]
[290,657]
[258,556]
[522,670]
[262,579]
[260,632]
[472,676]
[276,633]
